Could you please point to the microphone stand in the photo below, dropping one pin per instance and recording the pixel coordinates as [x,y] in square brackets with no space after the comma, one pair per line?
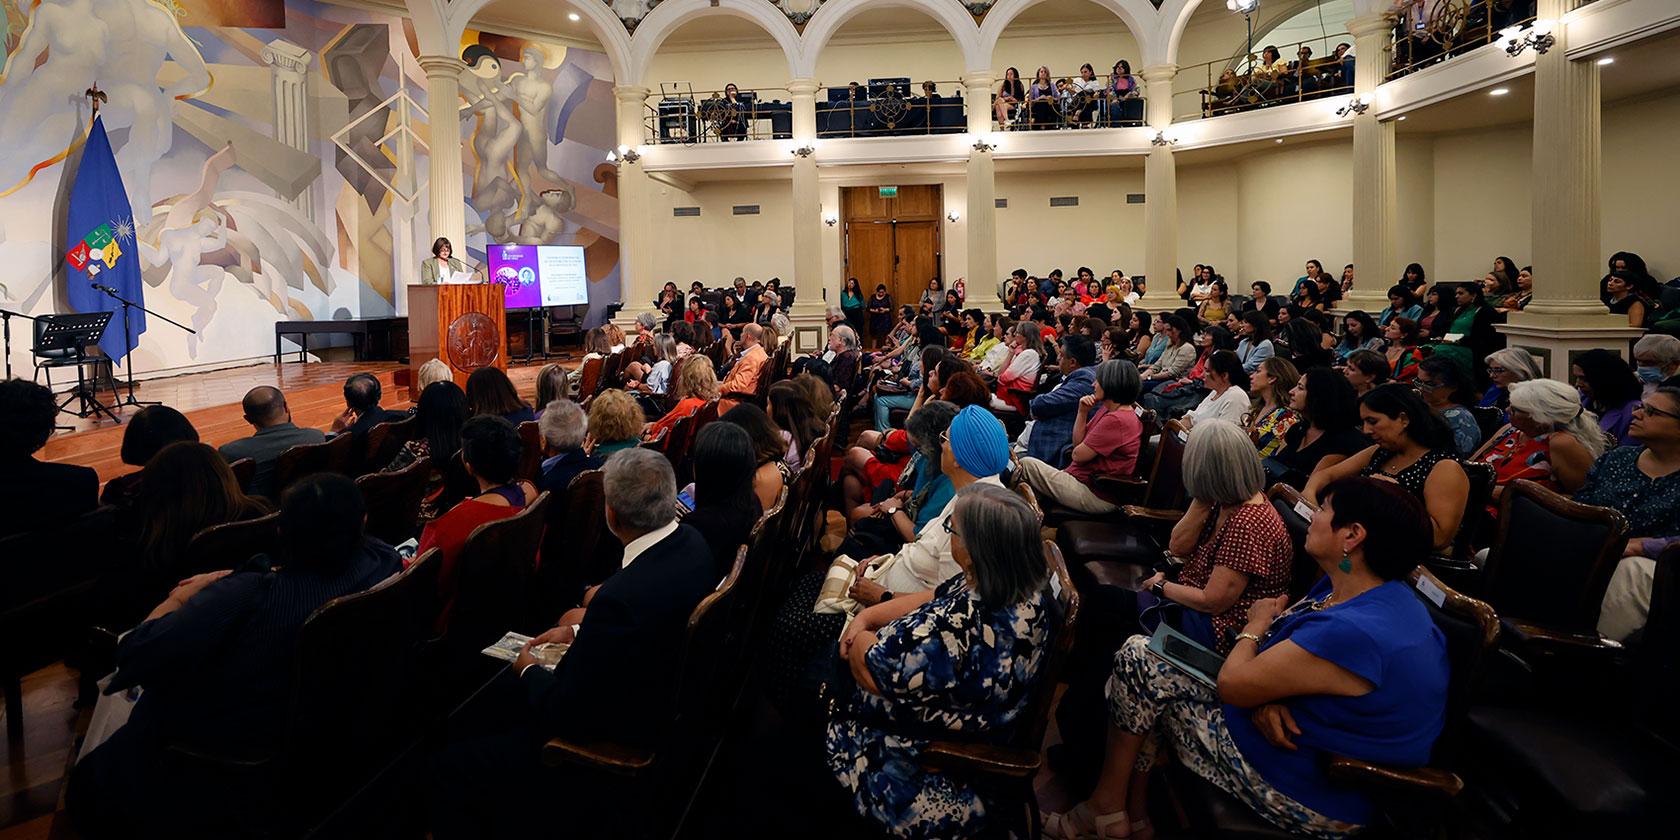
[6,321]
[128,357]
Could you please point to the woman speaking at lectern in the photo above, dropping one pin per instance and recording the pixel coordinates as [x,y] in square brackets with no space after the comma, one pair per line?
[441,266]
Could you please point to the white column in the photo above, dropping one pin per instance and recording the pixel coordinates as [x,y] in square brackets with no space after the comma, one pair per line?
[405,263]
[982,193]
[289,66]
[636,283]
[1566,314]
[448,195]
[809,307]
[1160,186]
[1374,180]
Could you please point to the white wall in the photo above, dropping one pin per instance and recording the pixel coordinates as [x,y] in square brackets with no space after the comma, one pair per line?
[1103,232]
[716,246]
[1641,186]
[1209,198]
[1482,203]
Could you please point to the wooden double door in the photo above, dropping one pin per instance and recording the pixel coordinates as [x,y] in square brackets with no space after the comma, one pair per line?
[893,240]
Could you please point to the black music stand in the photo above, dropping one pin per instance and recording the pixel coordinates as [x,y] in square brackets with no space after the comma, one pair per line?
[73,333]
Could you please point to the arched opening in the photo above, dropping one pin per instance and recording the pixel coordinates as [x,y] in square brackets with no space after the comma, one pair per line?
[1225,65]
[1061,37]
[716,74]
[889,71]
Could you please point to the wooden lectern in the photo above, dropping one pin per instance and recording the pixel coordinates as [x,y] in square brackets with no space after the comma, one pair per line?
[462,324]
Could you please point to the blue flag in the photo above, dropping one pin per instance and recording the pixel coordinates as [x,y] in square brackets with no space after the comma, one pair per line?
[100,227]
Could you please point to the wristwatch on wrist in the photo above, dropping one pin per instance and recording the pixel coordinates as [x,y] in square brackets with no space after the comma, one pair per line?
[1159,590]
[1249,636]
[886,596]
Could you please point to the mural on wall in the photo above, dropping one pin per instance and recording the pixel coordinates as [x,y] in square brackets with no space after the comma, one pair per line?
[262,146]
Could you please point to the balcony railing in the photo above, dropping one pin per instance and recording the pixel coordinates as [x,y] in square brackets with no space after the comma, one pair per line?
[680,115]
[888,108]
[1300,71]
[1428,32]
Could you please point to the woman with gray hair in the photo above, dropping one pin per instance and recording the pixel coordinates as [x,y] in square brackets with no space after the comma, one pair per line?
[1551,440]
[1239,551]
[563,426]
[1106,437]
[1656,357]
[962,659]
[1505,368]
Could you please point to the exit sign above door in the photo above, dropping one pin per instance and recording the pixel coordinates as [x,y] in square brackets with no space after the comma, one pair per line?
[889,192]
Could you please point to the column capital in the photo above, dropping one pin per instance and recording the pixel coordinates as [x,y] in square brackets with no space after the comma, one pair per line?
[803,86]
[441,66]
[282,54]
[1367,25]
[1158,72]
[977,79]
[630,94]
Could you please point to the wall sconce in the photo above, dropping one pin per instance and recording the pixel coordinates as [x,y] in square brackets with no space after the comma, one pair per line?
[1161,139]
[985,144]
[1354,106]
[624,154]
[1538,36]
[953,216]
[806,150]
[831,220]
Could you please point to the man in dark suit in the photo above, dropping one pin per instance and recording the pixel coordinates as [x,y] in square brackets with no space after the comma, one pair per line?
[34,494]
[616,682]
[266,411]
[362,411]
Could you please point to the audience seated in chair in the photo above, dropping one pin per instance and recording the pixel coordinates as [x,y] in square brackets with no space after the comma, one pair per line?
[744,376]
[362,411]
[882,520]
[564,429]
[187,488]
[1105,441]
[725,506]
[1329,430]
[266,411]
[958,661]
[615,682]
[1355,668]
[1019,373]
[1643,482]
[214,661]
[489,391]
[490,448]
[770,449]
[695,384]
[147,432]
[1550,440]
[1055,413]
[440,412]
[615,422]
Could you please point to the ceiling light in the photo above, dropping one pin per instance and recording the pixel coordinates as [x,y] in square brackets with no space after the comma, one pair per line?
[1401,118]
[572,16]
[1278,141]
[1609,59]
[1499,91]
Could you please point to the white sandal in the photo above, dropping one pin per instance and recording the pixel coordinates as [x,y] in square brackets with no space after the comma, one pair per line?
[1073,824]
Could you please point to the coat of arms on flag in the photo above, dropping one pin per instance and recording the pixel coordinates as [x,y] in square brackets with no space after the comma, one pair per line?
[100,249]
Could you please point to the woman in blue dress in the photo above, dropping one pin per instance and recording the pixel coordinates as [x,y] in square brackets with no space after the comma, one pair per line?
[1356,668]
[958,661]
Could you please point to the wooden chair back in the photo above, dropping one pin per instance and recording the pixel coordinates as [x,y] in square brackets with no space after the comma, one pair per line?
[1552,559]
[1471,628]
[385,439]
[244,470]
[1166,476]
[304,460]
[588,377]
[1035,718]
[578,550]
[229,545]
[493,577]
[1296,513]
[530,451]
[393,500]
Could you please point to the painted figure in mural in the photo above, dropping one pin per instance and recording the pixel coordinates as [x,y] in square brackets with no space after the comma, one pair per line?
[122,44]
[498,132]
[632,11]
[533,92]
[547,225]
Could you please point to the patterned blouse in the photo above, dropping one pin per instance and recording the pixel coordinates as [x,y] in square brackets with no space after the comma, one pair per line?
[1252,541]
[954,666]
[1411,477]
[1651,505]
[1268,431]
